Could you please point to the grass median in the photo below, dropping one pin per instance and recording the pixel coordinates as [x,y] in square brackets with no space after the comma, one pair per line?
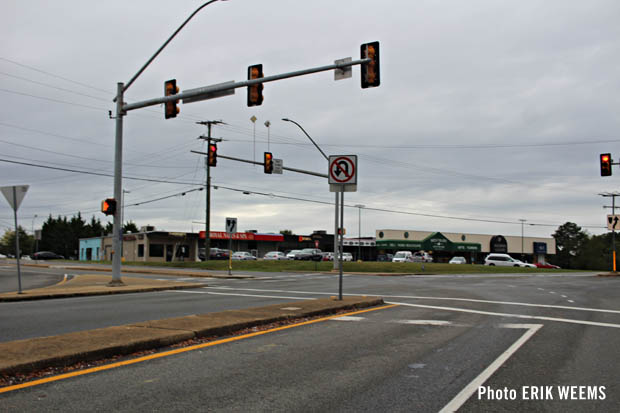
[351,267]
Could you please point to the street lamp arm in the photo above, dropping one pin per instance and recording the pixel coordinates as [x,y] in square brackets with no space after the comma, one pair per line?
[306,133]
[165,44]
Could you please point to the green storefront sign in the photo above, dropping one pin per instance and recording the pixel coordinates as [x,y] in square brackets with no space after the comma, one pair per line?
[434,242]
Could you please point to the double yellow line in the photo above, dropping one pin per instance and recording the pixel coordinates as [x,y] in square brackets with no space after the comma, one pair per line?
[178,351]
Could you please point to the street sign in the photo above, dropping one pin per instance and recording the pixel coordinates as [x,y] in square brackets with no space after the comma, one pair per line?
[613,222]
[14,196]
[342,173]
[278,164]
[344,72]
[231,225]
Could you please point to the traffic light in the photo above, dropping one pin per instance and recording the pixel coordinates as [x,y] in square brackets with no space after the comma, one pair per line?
[255,92]
[370,70]
[172,107]
[108,206]
[212,159]
[268,162]
[605,164]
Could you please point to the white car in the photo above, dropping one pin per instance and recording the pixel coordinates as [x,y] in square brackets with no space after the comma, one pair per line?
[291,254]
[526,264]
[502,260]
[458,260]
[421,256]
[242,256]
[403,256]
[274,256]
[347,256]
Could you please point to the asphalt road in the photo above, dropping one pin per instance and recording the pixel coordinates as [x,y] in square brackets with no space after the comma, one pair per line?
[447,334]
[30,277]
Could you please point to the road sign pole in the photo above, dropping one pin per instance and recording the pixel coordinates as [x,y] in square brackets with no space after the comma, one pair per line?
[336,227]
[17,254]
[613,234]
[341,242]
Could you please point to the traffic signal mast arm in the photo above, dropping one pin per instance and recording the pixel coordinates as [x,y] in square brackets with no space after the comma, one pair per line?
[207,90]
[301,171]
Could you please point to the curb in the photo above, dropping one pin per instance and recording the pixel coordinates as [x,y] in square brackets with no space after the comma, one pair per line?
[25,356]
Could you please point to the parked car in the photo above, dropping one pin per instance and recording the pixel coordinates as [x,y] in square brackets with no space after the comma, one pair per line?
[385,257]
[214,254]
[47,255]
[309,254]
[403,256]
[243,256]
[526,264]
[2,256]
[274,256]
[347,256]
[502,260]
[421,256]
[328,256]
[458,260]
[291,254]
[546,265]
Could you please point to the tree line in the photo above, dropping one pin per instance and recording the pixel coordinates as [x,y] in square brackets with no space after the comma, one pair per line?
[60,235]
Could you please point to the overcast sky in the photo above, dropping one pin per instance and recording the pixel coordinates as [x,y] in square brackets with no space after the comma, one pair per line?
[487,110]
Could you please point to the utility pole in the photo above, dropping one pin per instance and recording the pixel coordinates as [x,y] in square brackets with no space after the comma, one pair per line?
[209,139]
[522,222]
[613,196]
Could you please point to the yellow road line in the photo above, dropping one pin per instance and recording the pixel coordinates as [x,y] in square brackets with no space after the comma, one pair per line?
[178,351]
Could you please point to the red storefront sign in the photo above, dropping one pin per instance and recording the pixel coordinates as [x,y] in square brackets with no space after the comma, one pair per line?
[243,236]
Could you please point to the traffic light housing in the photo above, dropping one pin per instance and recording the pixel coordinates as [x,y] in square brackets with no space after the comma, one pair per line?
[212,158]
[605,164]
[370,71]
[172,107]
[268,162]
[255,92]
[108,206]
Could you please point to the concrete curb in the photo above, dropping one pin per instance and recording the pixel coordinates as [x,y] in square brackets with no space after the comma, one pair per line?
[24,356]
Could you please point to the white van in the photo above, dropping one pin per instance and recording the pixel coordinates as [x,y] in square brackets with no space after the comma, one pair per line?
[502,260]
[403,256]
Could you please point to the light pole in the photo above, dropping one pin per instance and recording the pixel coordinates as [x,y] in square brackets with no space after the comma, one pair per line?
[32,230]
[359,230]
[522,222]
[253,119]
[336,260]
[120,111]
[123,218]
[268,124]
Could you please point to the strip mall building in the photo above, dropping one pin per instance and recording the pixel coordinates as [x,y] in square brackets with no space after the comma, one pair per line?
[474,247]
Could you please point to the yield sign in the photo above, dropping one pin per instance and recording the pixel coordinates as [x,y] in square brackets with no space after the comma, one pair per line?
[343,169]
[15,195]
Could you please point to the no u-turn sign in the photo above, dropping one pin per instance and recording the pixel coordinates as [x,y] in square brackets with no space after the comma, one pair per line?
[343,172]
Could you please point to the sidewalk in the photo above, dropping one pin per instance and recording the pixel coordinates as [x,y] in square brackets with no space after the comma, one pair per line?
[23,356]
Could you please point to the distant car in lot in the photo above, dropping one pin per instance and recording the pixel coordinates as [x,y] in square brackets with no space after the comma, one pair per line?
[243,256]
[214,254]
[328,256]
[309,254]
[385,257]
[292,253]
[347,256]
[2,256]
[275,256]
[458,260]
[526,264]
[403,256]
[421,256]
[546,265]
[47,255]
[502,260]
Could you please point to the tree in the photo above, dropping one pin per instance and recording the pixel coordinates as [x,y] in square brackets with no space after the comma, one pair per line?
[130,226]
[7,243]
[286,232]
[569,241]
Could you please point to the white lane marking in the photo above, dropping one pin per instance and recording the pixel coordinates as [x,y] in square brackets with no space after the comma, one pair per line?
[531,317]
[468,390]
[348,318]
[551,292]
[238,295]
[563,296]
[570,301]
[428,323]
[471,300]
[541,289]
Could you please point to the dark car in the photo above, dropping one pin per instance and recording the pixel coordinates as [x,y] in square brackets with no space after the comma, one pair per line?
[214,254]
[47,255]
[309,254]
[385,257]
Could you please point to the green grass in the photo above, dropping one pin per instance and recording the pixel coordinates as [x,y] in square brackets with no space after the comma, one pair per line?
[325,266]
